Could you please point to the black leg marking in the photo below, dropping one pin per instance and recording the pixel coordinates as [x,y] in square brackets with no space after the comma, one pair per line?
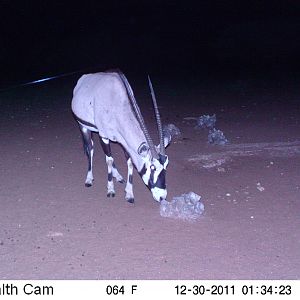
[109,176]
[130,200]
[116,173]
[89,151]
[128,189]
[109,161]
[107,150]
[126,154]
[87,143]
[110,183]
[106,147]
[122,180]
[130,179]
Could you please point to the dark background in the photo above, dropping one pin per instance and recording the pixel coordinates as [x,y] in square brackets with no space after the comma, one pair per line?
[188,39]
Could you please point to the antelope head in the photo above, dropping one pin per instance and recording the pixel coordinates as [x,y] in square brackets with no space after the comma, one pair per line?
[155,160]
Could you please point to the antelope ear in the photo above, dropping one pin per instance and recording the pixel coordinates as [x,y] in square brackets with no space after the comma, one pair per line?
[167,140]
[143,149]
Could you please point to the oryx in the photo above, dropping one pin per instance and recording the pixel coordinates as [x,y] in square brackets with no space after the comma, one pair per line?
[105,103]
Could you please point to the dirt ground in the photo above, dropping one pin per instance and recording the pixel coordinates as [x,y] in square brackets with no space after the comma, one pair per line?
[53,227]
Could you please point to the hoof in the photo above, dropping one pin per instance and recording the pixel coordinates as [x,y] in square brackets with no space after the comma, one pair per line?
[130,200]
[110,194]
[88,184]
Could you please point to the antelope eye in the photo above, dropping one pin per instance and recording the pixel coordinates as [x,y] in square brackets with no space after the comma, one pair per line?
[152,167]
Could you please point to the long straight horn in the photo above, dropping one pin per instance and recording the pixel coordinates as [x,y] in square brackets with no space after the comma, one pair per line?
[138,114]
[158,120]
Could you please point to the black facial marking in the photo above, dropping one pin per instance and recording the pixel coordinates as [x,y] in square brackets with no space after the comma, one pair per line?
[162,159]
[143,171]
[161,180]
[109,176]
[151,179]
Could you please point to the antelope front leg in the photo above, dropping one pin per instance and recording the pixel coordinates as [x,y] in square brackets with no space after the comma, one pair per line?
[111,168]
[110,184]
[116,174]
[128,189]
[89,177]
[89,151]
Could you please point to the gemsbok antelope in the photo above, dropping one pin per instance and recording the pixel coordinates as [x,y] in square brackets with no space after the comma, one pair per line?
[105,103]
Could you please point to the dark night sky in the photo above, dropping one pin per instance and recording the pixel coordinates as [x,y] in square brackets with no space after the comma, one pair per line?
[41,38]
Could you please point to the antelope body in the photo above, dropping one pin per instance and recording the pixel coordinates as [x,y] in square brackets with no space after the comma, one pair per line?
[105,103]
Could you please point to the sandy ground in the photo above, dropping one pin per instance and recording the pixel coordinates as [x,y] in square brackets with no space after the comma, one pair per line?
[53,227]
